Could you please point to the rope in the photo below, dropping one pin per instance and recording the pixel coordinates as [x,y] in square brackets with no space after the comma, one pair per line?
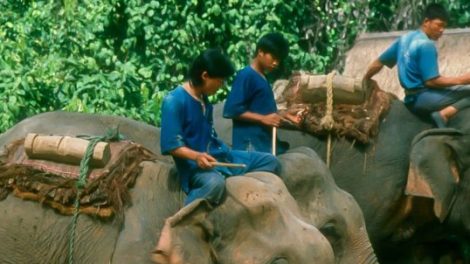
[327,121]
[111,135]
[80,184]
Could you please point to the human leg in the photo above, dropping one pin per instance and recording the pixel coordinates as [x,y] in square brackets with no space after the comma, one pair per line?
[436,99]
[462,104]
[442,104]
[440,118]
[254,161]
[209,185]
[451,110]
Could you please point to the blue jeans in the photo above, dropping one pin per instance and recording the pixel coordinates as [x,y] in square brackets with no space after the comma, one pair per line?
[210,184]
[432,100]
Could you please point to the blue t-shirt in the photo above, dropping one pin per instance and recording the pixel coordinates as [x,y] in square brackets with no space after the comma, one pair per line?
[250,92]
[416,58]
[184,123]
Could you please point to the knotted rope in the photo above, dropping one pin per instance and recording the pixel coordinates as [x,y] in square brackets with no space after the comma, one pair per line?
[327,121]
[111,135]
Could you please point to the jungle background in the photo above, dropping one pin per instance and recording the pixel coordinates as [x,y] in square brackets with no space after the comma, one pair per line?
[122,56]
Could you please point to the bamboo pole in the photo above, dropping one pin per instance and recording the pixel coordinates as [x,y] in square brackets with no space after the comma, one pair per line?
[274,140]
[226,164]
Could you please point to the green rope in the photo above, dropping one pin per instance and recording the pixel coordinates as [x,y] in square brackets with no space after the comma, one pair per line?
[80,184]
[111,135]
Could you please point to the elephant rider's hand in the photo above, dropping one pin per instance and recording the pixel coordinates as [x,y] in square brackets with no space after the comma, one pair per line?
[204,160]
[272,120]
[295,118]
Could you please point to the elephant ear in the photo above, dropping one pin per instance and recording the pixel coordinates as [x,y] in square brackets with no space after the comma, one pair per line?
[185,237]
[433,171]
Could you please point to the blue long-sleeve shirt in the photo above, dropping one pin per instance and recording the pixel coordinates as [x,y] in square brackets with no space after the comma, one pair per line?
[250,92]
[184,123]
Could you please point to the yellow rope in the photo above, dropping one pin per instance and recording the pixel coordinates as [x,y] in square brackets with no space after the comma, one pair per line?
[327,121]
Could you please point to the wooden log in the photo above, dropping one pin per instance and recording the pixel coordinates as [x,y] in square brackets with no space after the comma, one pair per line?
[346,90]
[65,149]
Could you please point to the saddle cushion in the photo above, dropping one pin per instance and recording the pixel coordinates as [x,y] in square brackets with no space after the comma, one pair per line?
[53,183]
[354,121]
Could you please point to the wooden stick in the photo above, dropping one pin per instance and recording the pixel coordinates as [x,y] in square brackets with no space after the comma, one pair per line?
[226,164]
[274,140]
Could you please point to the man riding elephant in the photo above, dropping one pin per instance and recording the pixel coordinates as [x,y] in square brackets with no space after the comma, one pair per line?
[188,135]
[44,233]
[427,92]
[157,196]
[259,217]
[437,158]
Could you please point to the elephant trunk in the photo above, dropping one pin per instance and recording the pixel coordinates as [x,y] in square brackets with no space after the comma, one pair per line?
[359,250]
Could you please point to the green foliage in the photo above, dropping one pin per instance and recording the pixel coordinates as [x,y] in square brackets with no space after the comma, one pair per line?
[391,15]
[187,27]
[122,56]
[54,57]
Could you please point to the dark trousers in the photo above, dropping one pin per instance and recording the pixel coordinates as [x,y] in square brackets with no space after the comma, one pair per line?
[432,100]
[210,184]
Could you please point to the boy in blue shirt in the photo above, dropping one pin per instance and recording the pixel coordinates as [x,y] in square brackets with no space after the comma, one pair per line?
[188,135]
[415,54]
[251,104]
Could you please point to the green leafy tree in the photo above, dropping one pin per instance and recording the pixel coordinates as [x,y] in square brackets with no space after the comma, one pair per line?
[122,56]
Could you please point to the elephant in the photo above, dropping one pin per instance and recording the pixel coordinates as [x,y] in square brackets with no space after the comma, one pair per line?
[399,226]
[32,233]
[40,235]
[321,204]
[258,214]
[334,211]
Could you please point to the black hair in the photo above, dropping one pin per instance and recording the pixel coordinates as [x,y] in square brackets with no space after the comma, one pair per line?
[436,11]
[273,43]
[214,62]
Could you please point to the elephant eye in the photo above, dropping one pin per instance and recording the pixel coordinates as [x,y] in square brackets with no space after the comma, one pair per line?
[279,260]
[330,231]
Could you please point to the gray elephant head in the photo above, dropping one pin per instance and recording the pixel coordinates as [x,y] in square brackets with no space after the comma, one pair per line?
[259,222]
[440,162]
[326,206]
[333,211]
